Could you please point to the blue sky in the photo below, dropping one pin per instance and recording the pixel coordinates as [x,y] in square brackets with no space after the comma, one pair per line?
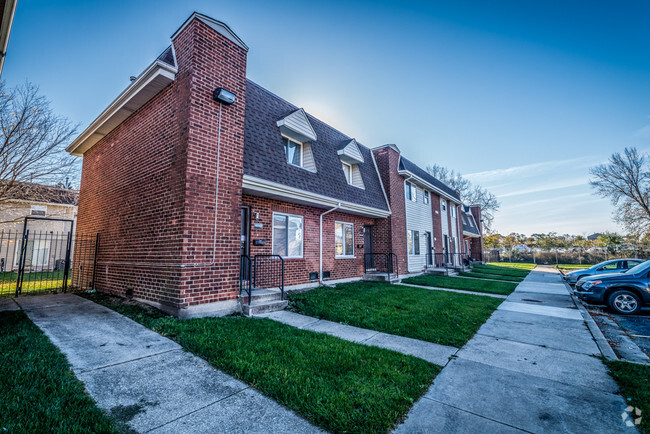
[521,97]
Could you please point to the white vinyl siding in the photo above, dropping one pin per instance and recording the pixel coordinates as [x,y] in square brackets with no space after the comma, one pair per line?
[344,240]
[287,235]
[308,158]
[454,233]
[443,217]
[419,218]
[357,181]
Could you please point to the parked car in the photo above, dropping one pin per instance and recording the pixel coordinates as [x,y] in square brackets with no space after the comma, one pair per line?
[611,266]
[625,292]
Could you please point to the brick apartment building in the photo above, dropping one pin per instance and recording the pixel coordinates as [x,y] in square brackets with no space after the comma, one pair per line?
[180,181]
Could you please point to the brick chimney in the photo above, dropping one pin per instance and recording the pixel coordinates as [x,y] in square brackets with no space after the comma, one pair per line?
[211,56]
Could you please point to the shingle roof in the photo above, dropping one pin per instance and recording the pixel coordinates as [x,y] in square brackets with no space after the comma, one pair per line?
[264,154]
[469,224]
[405,164]
[167,56]
[31,192]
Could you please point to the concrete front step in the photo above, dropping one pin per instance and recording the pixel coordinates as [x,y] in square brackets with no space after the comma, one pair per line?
[380,277]
[264,307]
[260,296]
[439,271]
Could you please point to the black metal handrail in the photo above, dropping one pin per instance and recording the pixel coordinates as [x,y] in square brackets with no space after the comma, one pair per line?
[268,272]
[245,269]
[381,263]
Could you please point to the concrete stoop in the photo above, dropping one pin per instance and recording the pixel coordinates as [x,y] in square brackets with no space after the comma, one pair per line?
[441,271]
[380,277]
[262,301]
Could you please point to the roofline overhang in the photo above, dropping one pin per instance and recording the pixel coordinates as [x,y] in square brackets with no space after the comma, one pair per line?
[5,28]
[471,234]
[431,187]
[157,76]
[27,201]
[283,192]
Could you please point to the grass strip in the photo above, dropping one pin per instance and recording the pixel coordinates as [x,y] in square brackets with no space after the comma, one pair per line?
[491,276]
[444,318]
[634,383]
[38,391]
[486,269]
[338,385]
[476,285]
[519,265]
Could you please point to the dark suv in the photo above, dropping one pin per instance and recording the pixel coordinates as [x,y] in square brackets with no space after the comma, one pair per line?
[626,292]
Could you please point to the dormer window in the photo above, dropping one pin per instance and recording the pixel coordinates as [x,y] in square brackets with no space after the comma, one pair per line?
[347,170]
[351,157]
[293,152]
[426,196]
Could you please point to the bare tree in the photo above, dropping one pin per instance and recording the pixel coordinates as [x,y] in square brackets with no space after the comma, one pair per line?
[625,180]
[469,193]
[32,143]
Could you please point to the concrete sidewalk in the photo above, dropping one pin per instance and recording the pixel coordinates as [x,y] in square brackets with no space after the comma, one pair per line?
[531,367]
[147,382]
[433,353]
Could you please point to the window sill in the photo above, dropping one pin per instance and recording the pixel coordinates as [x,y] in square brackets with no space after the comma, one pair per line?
[345,257]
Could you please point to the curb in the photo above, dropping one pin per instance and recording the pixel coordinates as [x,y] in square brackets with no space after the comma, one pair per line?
[602,343]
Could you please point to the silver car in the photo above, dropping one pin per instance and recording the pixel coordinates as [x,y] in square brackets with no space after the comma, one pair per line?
[611,266]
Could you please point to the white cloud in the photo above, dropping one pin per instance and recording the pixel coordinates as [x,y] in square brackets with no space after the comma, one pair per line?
[545,187]
[512,173]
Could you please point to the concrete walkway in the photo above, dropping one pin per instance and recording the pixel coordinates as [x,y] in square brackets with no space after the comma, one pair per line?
[530,367]
[459,291]
[433,353]
[147,382]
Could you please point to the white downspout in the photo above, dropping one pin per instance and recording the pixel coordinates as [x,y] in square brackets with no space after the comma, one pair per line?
[320,244]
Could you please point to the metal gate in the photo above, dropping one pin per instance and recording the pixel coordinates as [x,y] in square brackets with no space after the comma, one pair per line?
[46,256]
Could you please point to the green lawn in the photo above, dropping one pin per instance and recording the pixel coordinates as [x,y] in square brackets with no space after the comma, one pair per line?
[634,383]
[491,276]
[504,271]
[441,317]
[570,267]
[32,282]
[477,285]
[38,391]
[338,385]
[520,265]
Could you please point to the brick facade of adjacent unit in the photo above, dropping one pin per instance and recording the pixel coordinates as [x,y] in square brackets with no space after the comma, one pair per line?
[297,269]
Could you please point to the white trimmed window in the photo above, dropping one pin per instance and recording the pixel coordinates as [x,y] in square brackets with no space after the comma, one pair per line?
[443,205]
[347,170]
[38,210]
[344,239]
[411,191]
[37,253]
[287,235]
[413,242]
[293,151]
[426,196]
[452,211]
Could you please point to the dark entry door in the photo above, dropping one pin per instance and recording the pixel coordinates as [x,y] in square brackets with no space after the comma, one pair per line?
[245,242]
[429,255]
[445,249]
[369,248]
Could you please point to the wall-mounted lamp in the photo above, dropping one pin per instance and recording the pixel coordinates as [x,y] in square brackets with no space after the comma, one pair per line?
[224,96]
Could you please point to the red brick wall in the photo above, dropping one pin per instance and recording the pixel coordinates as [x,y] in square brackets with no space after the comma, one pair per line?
[297,270]
[393,229]
[148,187]
[212,61]
[437,223]
[477,243]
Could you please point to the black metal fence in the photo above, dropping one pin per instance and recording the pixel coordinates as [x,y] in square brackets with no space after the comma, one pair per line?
[39,261]
[381,263]
[442,260]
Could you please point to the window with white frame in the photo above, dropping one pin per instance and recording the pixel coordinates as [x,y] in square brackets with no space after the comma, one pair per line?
[411,192]
[452,211]
[443,205]
[344,239]
[426,196]
[413,242]
[38,210]
[347,170]
[287,235]
[293,151]
[37,253]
